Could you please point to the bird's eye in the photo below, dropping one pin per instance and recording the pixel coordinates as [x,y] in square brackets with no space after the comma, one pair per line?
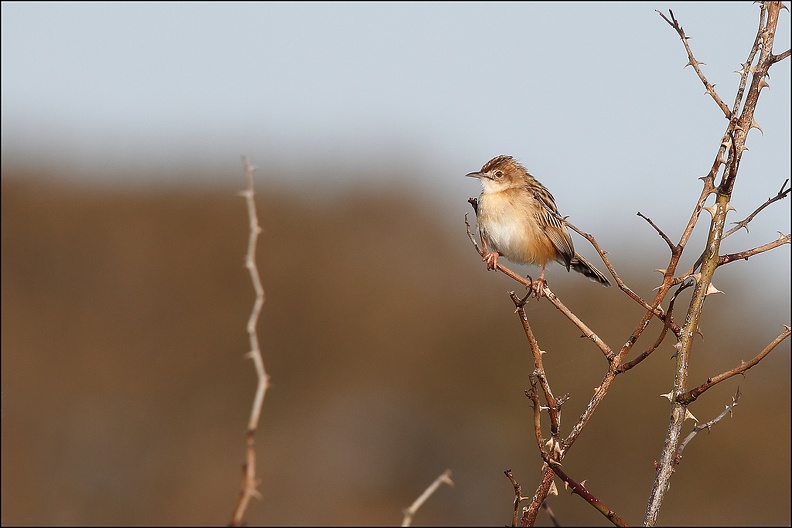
[499,174]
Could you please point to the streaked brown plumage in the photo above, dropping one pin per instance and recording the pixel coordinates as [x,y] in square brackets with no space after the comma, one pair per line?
[514,221]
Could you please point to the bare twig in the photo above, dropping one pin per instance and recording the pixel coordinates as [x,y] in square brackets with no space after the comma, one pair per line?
[660,232]
[708,425]
[694,63]
[744,255]
[409,512]
[249,480]
[782,193]
[693,394]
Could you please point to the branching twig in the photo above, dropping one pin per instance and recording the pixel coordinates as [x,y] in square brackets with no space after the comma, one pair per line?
[539,372]
[646,353]
[655,309]
[409,512]
[744,222]
[693,62]
[744,255]
[782,193]
[249,480]
[708,425]
[693,394]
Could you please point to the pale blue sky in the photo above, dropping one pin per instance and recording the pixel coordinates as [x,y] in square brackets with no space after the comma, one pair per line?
[591,97]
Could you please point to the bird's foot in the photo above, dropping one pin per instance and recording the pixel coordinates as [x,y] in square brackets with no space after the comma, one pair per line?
[492,260]
[537,287]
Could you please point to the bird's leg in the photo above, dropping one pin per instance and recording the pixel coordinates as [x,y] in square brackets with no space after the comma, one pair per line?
[537,286]
[490,257]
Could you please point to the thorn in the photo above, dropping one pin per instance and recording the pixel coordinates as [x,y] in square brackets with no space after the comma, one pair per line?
[670,396]
[763,84]
[553,489]
[730,207]
[583,483]
[755,125]
[694,63]
[711,210]
[661,270]
[678,345]
[689,415]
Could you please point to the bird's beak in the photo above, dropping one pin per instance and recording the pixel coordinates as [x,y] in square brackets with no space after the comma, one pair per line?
[475,174]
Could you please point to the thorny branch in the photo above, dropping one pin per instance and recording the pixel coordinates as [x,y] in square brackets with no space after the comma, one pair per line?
[782,193]
[249,480]
[732,145]
[693,394]
[694,63]
[579,489]
[744,255]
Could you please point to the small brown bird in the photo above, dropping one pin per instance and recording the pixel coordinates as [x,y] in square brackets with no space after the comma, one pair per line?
[514,222]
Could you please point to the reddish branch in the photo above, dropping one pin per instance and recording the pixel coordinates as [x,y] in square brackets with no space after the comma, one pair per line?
[581,490]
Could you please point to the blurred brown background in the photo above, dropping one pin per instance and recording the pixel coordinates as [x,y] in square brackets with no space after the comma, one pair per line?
[393,354]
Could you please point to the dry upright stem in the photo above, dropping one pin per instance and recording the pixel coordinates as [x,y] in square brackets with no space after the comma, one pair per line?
[249,480]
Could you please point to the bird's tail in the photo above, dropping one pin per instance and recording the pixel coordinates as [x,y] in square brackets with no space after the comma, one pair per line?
[583,266]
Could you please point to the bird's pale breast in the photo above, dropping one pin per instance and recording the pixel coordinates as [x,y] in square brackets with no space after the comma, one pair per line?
[507,222]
